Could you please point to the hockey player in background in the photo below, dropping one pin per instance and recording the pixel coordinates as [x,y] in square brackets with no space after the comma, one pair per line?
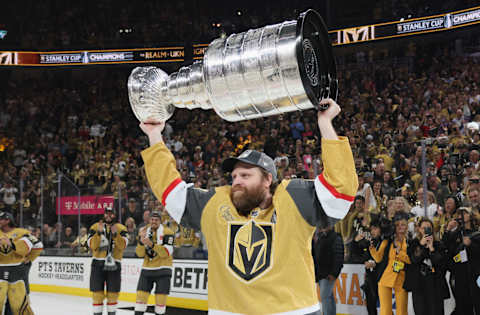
[15,245]
[155,246]
[107,239]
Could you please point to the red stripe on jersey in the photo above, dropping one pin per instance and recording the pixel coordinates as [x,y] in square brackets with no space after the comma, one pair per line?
[170,188]
[26,244]
[168,253]
[333,191]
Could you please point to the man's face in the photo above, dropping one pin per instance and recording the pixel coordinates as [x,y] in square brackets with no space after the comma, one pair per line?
[146,216]
[109,216]
[155,222]
[473,196]
[249,187]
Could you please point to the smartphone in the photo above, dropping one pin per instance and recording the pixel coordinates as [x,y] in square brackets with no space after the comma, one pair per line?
[428,231]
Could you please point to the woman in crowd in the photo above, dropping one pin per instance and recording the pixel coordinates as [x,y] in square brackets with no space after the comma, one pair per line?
[444,216]
[425,277]
[131,231]
[380,198]
[392,258]
[458,240]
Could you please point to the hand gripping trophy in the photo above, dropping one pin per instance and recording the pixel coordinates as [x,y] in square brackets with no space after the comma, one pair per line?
[262,72]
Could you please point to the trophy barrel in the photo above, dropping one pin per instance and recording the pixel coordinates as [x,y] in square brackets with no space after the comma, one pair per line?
[271,70]
[259,73]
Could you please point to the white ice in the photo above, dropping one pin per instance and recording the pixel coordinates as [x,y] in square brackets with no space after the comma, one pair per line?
[60,304]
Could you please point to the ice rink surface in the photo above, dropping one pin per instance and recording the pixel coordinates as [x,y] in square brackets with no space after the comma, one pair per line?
[60,304]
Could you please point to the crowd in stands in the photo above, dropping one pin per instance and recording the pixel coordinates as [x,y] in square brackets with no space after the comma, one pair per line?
[79,124]
[127,24]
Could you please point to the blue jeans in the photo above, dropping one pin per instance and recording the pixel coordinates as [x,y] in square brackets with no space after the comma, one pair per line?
[326,294]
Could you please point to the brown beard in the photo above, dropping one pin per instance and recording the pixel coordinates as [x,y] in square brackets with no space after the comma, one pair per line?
[248,200]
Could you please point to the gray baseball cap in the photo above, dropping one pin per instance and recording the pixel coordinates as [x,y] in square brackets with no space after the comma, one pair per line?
[252,157]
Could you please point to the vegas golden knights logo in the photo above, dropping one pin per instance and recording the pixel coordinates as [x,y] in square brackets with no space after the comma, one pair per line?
[5,249]
[250,249]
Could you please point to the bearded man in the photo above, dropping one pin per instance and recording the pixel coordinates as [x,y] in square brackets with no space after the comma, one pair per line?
[258,231]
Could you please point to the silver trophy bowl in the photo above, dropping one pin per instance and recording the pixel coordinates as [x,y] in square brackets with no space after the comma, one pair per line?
[262,72]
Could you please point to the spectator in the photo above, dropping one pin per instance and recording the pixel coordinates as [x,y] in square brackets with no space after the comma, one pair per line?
[146,219]
[81,241]
[9,197]
[68,238]
[431,208]
[360,254]
[392,259]
[133,211]
[425,277]
[327,243]
[458,240]
[131,231]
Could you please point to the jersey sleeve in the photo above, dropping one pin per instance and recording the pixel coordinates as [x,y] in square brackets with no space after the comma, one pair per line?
[165,248]
[37,248]
[327,199]
[93,240]
[121,240]
[22,246]
[184,203]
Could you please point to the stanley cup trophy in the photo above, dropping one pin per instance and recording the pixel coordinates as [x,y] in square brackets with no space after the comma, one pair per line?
[262,72]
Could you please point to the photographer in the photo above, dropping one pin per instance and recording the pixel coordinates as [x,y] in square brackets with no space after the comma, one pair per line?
[361,255]
[426,275]
[458,240]
[392,260]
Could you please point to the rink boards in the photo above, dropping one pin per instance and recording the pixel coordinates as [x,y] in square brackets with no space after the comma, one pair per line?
[71,275]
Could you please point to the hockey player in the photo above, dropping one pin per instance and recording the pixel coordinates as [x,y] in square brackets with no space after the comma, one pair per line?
[155,245]
[15,245]
[107,239]
[259,232]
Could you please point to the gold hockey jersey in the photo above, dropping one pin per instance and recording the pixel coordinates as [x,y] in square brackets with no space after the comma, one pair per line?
[160,255]
[21,247]
[261,264]
[117,242]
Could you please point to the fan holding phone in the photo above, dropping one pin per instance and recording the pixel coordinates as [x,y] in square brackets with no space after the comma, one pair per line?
[425,277]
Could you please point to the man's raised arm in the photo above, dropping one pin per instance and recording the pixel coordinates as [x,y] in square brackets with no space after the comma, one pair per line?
[183,203]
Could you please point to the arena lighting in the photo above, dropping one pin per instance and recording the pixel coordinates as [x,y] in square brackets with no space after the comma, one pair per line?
[3,33]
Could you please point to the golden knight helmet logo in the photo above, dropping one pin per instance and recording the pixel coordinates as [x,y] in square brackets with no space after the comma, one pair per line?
[250,249]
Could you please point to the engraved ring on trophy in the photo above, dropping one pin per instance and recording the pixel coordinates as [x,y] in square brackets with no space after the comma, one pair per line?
[262,72]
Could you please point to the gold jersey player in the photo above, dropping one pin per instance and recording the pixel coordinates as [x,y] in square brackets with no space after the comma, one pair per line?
[259,232]
[15,245]
[107,239]
[155,246]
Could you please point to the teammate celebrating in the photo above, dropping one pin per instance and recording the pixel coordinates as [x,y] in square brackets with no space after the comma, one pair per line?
[15,245]
[107,240]
[156,246]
